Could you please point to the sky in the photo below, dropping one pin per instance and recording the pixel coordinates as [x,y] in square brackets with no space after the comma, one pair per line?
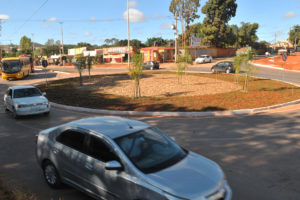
[93,21]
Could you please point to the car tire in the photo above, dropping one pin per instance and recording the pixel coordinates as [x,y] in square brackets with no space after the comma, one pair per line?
[5,108]
[213,71]
[51,176]
[47,113]
[14,112]
[227,71]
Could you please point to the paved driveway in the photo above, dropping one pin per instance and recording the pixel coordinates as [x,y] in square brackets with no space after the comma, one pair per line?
[259,153]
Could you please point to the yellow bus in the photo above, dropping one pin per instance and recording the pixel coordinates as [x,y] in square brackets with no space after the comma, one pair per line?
[15,67]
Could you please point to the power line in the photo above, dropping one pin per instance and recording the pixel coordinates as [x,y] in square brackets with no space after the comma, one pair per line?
[35,12]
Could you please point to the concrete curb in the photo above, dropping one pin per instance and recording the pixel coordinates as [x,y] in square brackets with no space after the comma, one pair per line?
[171,114]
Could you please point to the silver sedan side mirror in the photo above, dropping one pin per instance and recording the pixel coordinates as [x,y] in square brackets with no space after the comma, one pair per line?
[113,165]
[44,93]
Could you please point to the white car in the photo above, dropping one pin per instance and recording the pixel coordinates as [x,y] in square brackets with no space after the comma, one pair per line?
[203,59]
[25,100]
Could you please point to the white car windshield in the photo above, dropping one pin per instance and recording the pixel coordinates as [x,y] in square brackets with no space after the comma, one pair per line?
[26,92]
[150,150]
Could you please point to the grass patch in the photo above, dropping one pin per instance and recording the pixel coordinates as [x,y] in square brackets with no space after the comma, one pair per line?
[15,194]
[261,93]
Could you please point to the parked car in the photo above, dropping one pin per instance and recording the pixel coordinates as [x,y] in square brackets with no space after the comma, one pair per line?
[226,67]
[118,158]
[203,59]
[26,100]
[151,65]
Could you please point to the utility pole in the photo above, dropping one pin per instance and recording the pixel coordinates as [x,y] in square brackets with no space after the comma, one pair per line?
[175,28]
[32,35]
[128,22]
[62,42]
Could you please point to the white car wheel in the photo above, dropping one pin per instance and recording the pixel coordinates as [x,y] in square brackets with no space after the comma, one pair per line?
[15,115]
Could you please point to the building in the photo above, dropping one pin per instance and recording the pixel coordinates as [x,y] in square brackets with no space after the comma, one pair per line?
[215,52]
[117,54]
[159,54]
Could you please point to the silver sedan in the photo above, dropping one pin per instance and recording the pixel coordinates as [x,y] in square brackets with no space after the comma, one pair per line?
[117,158]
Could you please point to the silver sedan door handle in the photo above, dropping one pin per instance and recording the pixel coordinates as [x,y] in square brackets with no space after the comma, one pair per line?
[55,150]
[89,166]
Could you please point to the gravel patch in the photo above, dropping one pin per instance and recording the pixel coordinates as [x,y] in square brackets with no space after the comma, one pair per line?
[160,85]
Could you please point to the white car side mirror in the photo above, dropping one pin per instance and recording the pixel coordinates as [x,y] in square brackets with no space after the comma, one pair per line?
[44,93]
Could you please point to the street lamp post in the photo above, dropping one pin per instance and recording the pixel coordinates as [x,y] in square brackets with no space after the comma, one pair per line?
[62,42]
[128,23]
[174,27]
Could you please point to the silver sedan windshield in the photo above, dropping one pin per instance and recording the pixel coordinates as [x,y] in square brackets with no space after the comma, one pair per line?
[150,151]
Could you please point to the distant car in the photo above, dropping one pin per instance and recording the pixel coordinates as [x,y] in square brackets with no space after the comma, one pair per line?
[118,158]
[291,52]
[151,65]
[226,67]
[203,59]
[25,100]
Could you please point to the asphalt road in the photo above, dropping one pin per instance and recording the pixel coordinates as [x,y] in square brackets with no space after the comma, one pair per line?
[259,153]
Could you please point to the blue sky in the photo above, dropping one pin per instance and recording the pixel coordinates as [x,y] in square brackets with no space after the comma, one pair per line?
[95,20]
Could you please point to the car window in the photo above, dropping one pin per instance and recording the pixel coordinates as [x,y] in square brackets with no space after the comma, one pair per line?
[150,151]
[72,139]
[96,148]
[27,92]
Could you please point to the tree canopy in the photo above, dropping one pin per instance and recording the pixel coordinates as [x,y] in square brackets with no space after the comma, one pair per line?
[247,34]
[294,35]
[187,11]
[25,45]
[215,24]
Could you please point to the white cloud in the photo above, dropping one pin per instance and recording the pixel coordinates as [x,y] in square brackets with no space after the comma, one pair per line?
[291,14]
[157,16]
[4,17]
[87,34]
[52,19]
[93,19]
[134,15]
[166,26]
[132,4]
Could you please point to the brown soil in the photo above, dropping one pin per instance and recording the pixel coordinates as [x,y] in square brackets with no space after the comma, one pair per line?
[292,62]
[160,85]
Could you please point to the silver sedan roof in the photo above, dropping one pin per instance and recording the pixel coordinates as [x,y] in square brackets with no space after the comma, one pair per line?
[112,127]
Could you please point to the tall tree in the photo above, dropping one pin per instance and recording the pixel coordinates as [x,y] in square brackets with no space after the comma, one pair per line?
[247,34]
[215,28]
[50,48]
[25,45]
[187,11]
[294,35]
[158,40]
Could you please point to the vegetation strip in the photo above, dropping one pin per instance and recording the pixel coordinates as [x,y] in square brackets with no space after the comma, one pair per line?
[261,93]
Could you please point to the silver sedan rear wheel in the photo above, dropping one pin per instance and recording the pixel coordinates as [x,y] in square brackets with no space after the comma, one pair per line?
[51,176]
